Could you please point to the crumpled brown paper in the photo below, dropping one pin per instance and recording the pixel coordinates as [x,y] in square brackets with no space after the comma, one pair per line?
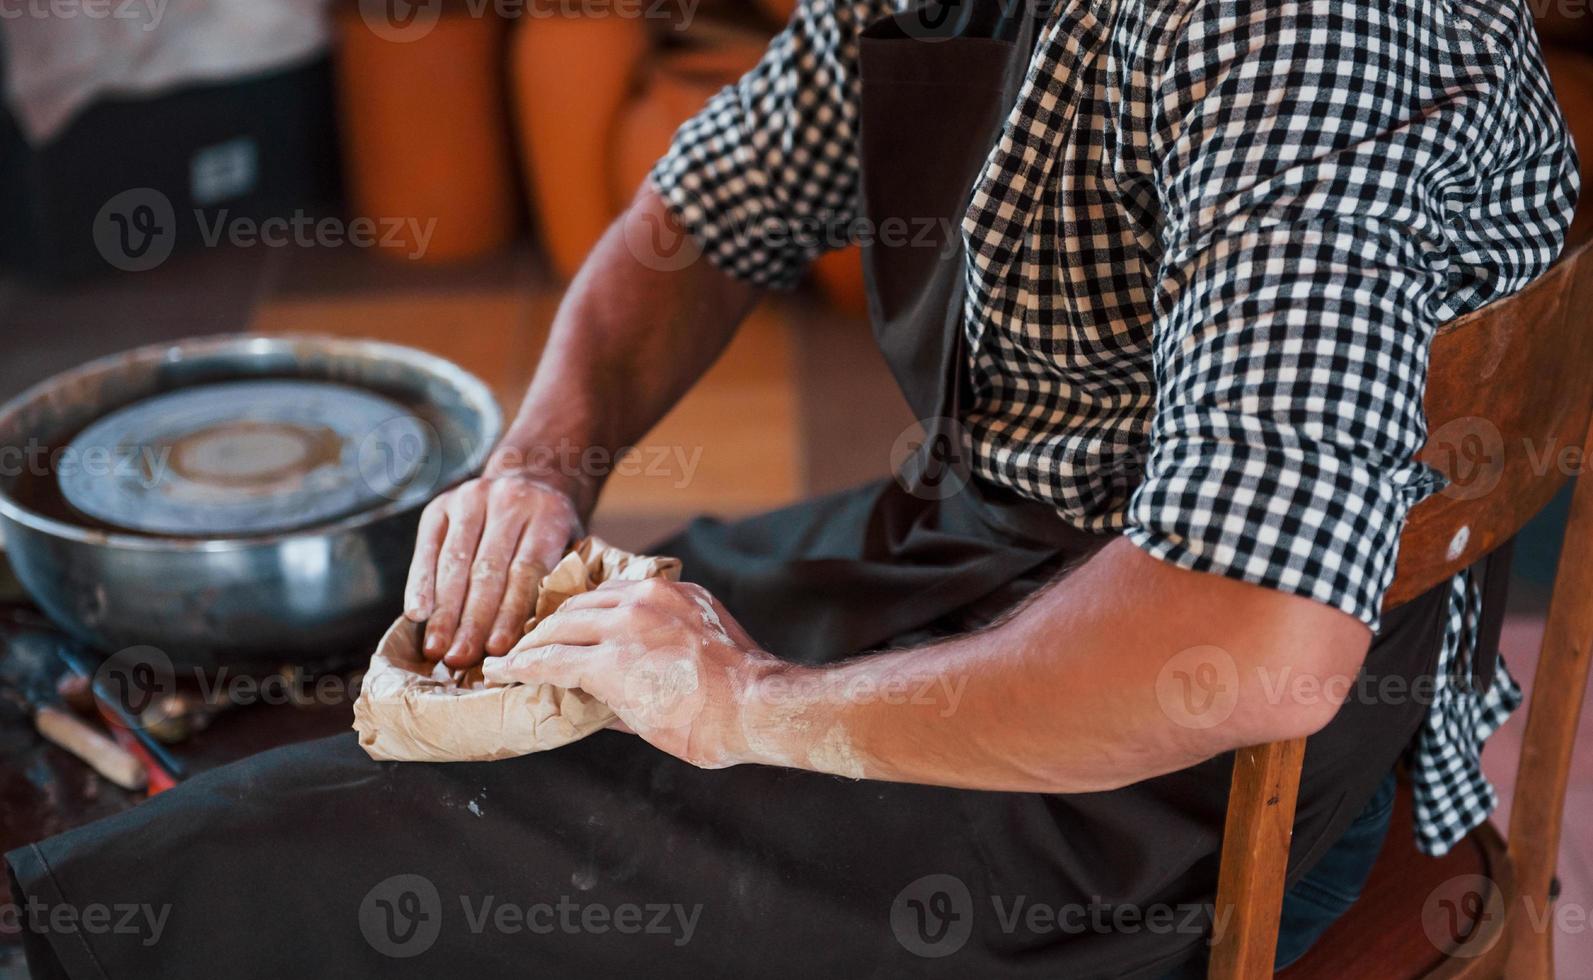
[411,709]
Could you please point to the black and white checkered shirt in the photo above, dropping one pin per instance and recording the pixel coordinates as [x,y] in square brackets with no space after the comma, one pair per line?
[1207,256]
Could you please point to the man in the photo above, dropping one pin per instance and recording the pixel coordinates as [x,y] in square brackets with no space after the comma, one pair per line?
[1169,342]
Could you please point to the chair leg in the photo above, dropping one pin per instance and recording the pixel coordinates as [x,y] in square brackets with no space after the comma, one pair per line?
[1539,808]
[1255,859]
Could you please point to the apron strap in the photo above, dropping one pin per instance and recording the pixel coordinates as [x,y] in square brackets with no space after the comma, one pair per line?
[1495,571]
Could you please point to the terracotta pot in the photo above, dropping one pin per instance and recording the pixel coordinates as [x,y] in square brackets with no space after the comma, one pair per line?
[642,136]
[720,56]
[425,133]
[570,76]
[839,276]
[1559,24]
[778,11]
[677,85]
[1572,73]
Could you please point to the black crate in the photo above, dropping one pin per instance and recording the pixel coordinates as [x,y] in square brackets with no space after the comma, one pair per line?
[132,178]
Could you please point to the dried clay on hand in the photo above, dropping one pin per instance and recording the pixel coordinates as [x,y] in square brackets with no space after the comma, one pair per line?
[411,709]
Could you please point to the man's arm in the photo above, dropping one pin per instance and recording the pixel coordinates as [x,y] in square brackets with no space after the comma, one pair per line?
[1126,669]
[632,335]
[628,340]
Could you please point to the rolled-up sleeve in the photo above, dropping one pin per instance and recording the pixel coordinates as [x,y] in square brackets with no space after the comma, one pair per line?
[765,176]
[1309,179]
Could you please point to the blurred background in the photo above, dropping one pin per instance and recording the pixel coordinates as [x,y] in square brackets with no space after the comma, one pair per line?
[427,172]
[431,172]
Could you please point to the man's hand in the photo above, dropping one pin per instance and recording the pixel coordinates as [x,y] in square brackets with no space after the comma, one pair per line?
[629,339]
[482,549]
[665,656]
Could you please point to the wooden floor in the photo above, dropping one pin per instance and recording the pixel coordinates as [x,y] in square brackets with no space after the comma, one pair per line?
[800,403]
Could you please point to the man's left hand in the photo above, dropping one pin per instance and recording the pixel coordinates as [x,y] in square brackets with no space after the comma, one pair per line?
[666,657]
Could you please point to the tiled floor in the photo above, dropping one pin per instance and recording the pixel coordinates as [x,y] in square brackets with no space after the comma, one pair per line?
[801,403]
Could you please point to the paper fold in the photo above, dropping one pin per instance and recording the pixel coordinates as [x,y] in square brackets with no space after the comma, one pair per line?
[412,709]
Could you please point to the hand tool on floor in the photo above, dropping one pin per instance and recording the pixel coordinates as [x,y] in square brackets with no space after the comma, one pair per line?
[56,722]
[96,748]
[82,664]
[159,780]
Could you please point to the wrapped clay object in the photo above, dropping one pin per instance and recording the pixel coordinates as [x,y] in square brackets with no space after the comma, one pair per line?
[411,709]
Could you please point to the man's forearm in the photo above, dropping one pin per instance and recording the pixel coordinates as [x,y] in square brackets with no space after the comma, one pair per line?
[1125,670]
[628,340]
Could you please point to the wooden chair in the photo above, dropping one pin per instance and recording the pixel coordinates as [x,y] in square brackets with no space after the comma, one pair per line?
[1510,388]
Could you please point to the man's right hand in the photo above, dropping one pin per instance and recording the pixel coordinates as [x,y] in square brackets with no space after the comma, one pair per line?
[482,549]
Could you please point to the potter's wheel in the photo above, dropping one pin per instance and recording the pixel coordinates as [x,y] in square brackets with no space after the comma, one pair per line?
[243,458]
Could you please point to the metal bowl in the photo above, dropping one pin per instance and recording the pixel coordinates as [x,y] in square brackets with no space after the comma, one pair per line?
[298,596]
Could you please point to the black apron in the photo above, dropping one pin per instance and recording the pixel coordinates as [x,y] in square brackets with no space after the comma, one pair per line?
[316,861]
[935,550]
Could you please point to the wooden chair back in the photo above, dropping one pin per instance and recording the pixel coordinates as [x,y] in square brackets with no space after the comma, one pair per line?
[1507,403]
